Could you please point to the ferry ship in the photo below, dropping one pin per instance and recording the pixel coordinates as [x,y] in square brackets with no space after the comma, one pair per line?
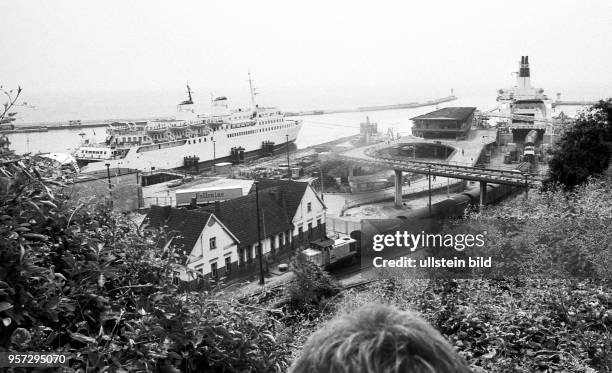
[527,107]
[188,139]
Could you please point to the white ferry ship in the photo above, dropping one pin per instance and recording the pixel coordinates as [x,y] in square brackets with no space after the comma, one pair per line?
[527,107]
[225,134]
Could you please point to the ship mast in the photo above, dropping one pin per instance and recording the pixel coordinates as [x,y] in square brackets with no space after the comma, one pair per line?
[252,92]
[189,93]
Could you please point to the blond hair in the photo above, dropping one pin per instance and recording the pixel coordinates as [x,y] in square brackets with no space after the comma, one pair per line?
[378,339]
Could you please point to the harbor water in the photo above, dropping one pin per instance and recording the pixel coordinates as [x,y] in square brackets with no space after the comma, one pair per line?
[316,129]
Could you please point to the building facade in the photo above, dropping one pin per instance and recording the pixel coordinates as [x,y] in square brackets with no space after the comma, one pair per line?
[211,248]
[446,123]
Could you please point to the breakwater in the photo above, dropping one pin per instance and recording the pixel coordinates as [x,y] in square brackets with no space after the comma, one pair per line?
[409,105]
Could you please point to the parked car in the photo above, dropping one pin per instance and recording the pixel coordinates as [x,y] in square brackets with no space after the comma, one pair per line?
[175,183]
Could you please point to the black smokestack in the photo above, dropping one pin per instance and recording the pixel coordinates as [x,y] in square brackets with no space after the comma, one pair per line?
[524,69]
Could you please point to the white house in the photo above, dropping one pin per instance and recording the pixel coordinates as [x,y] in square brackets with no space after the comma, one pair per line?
[303,206]
[211,247]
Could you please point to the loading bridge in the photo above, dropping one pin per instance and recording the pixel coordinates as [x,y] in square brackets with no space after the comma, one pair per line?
[482,175]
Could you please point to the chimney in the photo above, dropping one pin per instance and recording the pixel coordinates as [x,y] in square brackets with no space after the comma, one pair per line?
[194,203]
[218,209]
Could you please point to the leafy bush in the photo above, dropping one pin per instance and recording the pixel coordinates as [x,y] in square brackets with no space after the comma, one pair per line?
[85,281]
[585,149]
[310,285]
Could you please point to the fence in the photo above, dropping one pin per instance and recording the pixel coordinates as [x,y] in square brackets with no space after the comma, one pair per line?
[337,225]
[159,201]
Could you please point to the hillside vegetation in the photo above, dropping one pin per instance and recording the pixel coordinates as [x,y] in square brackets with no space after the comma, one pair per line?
[551,312]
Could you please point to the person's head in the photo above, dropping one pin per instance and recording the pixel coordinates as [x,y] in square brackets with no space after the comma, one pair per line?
[378,339]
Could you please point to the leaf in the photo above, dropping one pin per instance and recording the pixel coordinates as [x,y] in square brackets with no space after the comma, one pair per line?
[490,354]
[5,306]
[35,236]
[82,338]
[6,321]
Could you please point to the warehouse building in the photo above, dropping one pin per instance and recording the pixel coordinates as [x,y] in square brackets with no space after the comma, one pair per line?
[446,123]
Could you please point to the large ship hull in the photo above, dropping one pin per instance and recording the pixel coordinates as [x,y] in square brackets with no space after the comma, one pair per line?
[216,146]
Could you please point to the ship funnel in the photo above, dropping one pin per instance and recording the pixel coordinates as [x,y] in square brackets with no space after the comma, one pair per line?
[524,68]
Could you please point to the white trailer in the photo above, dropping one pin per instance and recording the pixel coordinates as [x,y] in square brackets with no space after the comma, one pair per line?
[207,195]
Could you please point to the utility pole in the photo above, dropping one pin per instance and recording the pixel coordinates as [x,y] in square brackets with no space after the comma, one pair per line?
[259,247]
[110,186]
[447,178]
[214,152]
[322,185]
[288,166]
[429,179]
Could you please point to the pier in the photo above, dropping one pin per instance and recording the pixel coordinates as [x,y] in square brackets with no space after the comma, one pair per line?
[460,165]
[573,103]
[410,105]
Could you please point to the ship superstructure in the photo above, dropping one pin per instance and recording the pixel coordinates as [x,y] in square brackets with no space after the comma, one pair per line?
[168,144]
[524,105]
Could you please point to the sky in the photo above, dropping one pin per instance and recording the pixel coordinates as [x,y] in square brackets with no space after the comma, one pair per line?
[108,46]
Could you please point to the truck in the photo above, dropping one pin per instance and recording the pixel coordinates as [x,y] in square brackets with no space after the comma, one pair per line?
[207,195]
[530,141]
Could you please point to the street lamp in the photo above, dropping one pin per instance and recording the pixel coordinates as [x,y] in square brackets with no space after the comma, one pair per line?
[288,166]
[429,179]
[110,186]
[259,247]
[322,185]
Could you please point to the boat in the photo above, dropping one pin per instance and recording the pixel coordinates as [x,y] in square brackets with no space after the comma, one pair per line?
[526,107]
[224,134]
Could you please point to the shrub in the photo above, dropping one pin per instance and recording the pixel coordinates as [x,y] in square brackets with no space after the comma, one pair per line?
[310,284]
[85,281]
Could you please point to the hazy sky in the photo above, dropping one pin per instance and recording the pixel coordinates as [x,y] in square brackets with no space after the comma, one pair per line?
[156,45]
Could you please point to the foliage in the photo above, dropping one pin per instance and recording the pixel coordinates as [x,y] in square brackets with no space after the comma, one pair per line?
[551,234]
[561,321]
[6,116]
[86,281]
[310,285]
[504,326]
[584,149]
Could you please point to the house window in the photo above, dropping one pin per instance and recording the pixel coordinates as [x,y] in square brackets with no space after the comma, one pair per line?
[228,265]
[301,233]
[309,230]
[272,244]
[281,240]
[213,243]
[309,206]
[213,270]
[320,228]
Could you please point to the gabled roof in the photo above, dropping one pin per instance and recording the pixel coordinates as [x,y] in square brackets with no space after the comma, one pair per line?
[452,113]
[187,225]
[289,191]
[239,215]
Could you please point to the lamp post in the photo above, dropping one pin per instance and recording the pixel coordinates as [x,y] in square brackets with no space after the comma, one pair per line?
[110,186]
[288,166]
[259,247]
[322,185]
[214,153]
[429,179]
